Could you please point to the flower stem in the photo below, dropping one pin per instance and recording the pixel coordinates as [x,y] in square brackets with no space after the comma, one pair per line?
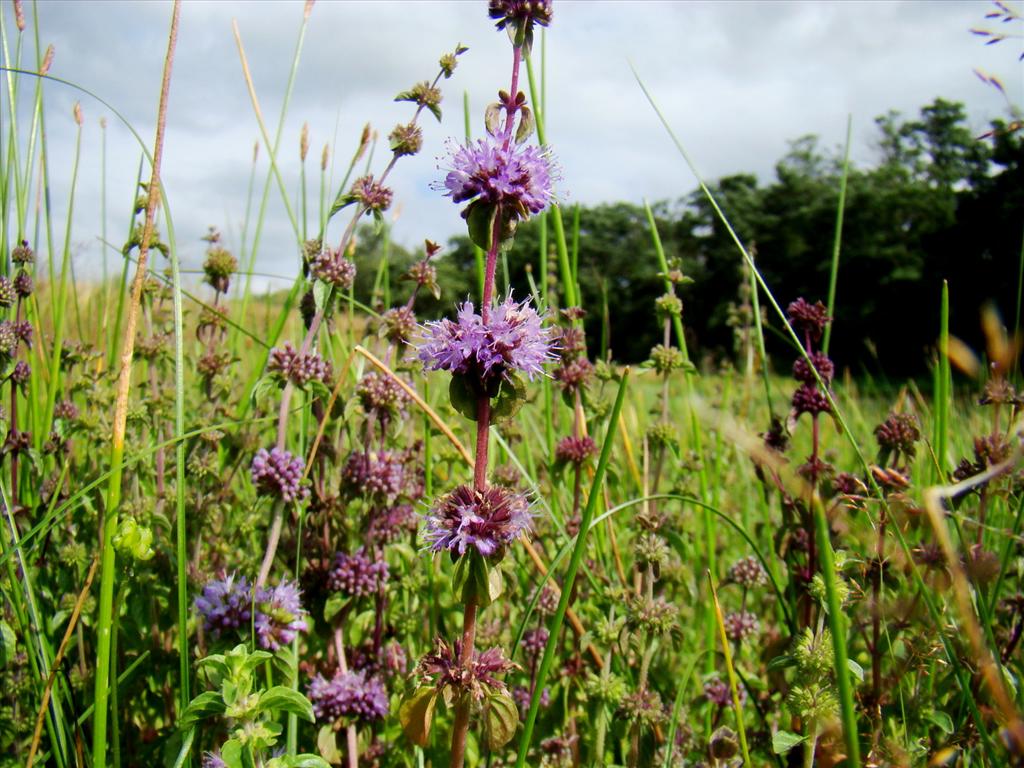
[461,726]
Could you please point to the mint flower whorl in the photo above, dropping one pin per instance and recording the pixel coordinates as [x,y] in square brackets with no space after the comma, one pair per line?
[278,473]
[378,475]
[477,678]
[511,11]
[357,575]
[513,339]
[519,179]
[332,267]
[279,615]
[299,369]
[486,520]
[225,604]
[348,694]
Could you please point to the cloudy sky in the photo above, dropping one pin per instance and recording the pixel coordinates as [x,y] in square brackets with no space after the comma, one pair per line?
[737,80]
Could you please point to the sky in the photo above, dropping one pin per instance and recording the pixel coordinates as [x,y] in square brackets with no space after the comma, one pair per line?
[736,80]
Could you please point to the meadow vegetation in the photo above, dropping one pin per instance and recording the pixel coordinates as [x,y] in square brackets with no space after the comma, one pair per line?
[644,498]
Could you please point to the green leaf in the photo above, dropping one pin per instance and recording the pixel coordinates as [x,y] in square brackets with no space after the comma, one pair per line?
[299,761]
[343,200]
[783,741]
[781,662]
[283,699]
[500,720]
[231,753]
[201,707]
[334,604]
[327,743]
[492,118]
[8,642]
[480,221]
[856,669]
[417,715]
[435,110]
[321,294]
[942,720]
[527,124]
[462,397]
[511,396]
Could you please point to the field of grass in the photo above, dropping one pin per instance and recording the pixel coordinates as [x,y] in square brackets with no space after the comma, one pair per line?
[291,530]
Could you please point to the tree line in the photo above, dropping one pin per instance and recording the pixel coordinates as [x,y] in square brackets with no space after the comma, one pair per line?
[940,203]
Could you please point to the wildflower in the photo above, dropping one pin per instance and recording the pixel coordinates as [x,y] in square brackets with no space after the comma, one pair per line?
[23,284]
[66,410]
[21,373]
[519,180]
[534,641]
[575,374]
[486,520]
[279,615]
[477,678]
[388,524]
[575,450]
[897,434]
[406,139]
[225,604]
[8,338]
[7,293]
[808,319]
[822,364]
[643,707]
[398,324]
[332,267]
[298,368]
[277,473]
[213,760]
[717,692]
[380,476]
[348,694]
[220,264]
[748,572]
[522,696]
[739,625]
[357,575]
[381,396]
[372,195]
[23,254]
[520,11]
[809,399]
[512,339]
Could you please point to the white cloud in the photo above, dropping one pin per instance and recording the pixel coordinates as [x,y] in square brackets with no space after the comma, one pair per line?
[735,79]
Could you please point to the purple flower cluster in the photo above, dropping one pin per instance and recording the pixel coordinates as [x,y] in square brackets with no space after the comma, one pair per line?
[486,520]
[534,641]
[332,267]
[522,696]
[278,473]
[279,615]
[379,476]
[748,572]
[739,625]
[519,180]
[300,369]
[357,575]
[513,339]
[381,395]
[387,524]
[523,11]
[575,450]
[477,678]
[225,604]
[717,691]
[348,694]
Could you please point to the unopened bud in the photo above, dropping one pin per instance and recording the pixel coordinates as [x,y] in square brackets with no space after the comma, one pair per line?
[47,60]
[308,9]
[78,113]
[304,142]
[19,15]
[323,157]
